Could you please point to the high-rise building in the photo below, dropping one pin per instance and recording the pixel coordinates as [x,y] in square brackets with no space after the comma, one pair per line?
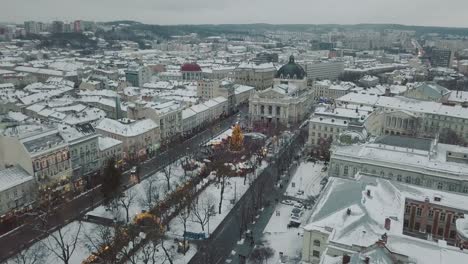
[57,27]
[137,75]
[77,26]
[31,27]
[326,70]
[441,58]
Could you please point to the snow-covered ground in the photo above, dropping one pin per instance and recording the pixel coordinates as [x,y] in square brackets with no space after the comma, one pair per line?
[140,193]
[307,178]
[234,189]
[86,233]
[217,140]
[279,237]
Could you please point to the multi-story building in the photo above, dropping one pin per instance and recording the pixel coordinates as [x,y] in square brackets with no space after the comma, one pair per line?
[329,122]
[84,151]
[57,27]
[328,90]
[430,219]
[324,70]
[109,148]
[137,75]
[374,220]
[209,89]
[44,154]
[167,115]
[191,72]
[260,76]
[434,117]
[415,161]
[138,137]
[287,102]
[17,189]
[31,27]
[441,58]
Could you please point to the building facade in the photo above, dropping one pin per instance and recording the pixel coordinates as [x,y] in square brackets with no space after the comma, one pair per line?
[18,189]
[260,76]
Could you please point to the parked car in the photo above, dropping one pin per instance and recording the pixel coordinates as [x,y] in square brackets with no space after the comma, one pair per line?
[297,212]
[287,202]
[294,221]
[298,205]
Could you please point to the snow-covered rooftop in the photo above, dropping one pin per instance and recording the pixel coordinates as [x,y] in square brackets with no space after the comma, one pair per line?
[131,129]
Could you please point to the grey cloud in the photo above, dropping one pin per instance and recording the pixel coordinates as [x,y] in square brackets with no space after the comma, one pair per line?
[415,12]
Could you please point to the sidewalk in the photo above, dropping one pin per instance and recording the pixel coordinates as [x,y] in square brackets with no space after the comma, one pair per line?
[245,247]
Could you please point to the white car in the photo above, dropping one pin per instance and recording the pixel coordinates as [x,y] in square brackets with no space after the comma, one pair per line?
[287,202]
[299,206]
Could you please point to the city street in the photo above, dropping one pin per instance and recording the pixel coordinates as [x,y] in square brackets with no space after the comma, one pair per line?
[27,234]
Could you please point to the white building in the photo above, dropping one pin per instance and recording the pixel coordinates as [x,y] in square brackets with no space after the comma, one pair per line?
[324,70]
[434,116]
[137,137]
[362,221]
[416,161]
[287,102]
[109,148]
[17,189]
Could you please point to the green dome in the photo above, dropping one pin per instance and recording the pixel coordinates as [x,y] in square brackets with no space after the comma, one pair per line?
[291,70]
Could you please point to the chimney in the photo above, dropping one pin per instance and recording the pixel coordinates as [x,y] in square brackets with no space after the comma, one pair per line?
[368,193]
[348,212]
[367,260]
[346,259]
[388,222]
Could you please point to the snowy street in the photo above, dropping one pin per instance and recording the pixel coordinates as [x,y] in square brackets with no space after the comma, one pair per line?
[306,180]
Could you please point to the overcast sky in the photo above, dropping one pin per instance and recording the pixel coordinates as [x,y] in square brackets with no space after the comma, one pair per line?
[410,12]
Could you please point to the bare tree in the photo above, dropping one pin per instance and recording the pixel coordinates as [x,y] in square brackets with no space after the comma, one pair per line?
[35,254]
[151,193]
[203,208]
[62,243]
[183,218]
[125,201]
[99,238]
[167,172]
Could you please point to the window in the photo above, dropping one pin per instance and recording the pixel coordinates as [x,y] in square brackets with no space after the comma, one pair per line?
[442,217]
[417,181]
[354,171]
[408,179]
[440,185]
[452,187]
[406,223]
[440,232]
[382,174]
[270,109]
[408,209]
[345,171]
[419,211]
[454,219]
[431,213]
[316,253]
[317,243]
[398,177]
